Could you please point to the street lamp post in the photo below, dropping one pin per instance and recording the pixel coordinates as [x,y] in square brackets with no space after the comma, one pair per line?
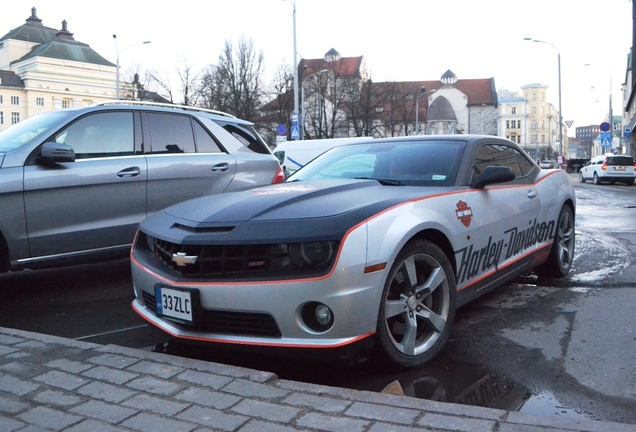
[295,113]
[301,123]
[560,110]
[422,92]
[119,52]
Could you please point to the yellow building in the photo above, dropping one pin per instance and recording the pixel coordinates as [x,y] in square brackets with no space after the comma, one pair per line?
[531,121]
[44,69]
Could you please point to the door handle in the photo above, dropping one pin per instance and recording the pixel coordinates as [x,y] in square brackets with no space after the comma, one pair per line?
[222,167]
[532,194]
[129,172]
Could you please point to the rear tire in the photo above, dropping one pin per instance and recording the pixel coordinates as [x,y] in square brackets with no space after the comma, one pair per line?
[559,262]
[597,181]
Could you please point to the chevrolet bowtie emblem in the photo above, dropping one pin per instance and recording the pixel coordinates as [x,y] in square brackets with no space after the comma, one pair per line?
[181,259]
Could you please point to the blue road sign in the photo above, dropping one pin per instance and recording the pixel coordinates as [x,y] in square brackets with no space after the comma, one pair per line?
[606,139]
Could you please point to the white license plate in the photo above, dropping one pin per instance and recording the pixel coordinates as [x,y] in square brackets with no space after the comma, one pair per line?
[176,304]
[620,169]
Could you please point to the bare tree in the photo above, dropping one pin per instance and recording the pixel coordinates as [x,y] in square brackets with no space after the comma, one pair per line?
[164,87]
[363,111]
[189,80]
[281,107]
[235,83]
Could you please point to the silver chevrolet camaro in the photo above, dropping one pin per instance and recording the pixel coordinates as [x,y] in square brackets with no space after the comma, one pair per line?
[374,241]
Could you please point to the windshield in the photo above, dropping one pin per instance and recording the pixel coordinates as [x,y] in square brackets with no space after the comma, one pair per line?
[409,163]
[21,133]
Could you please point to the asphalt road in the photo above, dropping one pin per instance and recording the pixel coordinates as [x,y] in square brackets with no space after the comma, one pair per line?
[559,348]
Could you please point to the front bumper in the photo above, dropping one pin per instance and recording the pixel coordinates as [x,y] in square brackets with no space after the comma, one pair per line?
[270,313]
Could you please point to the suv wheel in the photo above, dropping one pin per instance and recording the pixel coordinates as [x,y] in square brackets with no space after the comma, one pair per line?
[581,178]
[597,181]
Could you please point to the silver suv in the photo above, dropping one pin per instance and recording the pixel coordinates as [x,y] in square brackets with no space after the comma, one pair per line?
[74,184]
[608,168]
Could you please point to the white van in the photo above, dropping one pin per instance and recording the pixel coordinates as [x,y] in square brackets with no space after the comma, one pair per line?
[293,155]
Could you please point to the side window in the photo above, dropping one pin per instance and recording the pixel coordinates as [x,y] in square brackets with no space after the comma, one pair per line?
[100,135]
[205,142]
[247,136]
[170,133]
[500,155]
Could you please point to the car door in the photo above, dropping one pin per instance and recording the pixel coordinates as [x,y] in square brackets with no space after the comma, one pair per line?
[184,160]
[496,216]
[95,202]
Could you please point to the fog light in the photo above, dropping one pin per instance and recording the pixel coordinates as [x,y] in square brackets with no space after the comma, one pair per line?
[323,314]
[317,316]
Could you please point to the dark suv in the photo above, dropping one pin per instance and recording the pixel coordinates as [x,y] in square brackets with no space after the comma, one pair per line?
[74,184]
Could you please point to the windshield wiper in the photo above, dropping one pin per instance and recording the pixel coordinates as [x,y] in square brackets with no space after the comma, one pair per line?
[384,182]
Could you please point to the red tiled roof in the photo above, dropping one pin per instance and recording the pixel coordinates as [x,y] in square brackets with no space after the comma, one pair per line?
[343,67]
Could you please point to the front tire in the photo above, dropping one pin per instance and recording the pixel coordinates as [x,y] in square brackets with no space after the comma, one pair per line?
[561,256]
[418,305]
[581,178]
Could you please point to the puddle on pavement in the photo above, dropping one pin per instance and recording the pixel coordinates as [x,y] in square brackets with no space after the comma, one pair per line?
[545,404]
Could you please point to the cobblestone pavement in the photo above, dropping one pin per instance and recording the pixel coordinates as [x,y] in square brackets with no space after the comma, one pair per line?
[51,383]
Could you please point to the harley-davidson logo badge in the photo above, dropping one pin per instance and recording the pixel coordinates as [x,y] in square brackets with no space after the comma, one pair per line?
[464,213]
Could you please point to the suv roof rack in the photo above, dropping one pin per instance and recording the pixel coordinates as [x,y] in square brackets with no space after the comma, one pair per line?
[163,105]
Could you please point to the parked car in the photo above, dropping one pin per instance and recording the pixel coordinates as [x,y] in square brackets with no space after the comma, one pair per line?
[609,168]
[548,164]
[74,184]
[375,241]
[293,155]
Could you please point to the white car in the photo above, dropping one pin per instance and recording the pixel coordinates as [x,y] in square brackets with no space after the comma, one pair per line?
[609,168]
[377,241]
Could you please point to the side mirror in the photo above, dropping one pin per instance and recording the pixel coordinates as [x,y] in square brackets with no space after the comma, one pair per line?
[53,152]
[493,174]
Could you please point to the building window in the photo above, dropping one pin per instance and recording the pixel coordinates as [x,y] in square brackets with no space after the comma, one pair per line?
[39,101]
[15,118]
[507,124]
[66,103]
[1,117]
[0,99]
[513,110]
[15,100]
[534,110]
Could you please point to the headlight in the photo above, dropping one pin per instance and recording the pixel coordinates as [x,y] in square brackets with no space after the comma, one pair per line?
[150,242]
[311,254]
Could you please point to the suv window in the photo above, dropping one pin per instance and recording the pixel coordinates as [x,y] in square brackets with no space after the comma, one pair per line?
[620,160]
[246,135]
[205,142]
[100,135]
[170,133]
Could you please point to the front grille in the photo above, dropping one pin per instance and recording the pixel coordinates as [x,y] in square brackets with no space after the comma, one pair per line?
[237,262]
[227,322]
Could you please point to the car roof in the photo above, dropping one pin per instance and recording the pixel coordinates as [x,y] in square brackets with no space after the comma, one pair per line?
[165,107]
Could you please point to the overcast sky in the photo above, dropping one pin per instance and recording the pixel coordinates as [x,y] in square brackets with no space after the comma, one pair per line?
[401,40]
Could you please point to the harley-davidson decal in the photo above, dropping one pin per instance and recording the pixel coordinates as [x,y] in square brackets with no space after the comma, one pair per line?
[464,213]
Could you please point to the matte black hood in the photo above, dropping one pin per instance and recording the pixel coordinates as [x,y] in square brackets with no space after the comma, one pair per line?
[296,210]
